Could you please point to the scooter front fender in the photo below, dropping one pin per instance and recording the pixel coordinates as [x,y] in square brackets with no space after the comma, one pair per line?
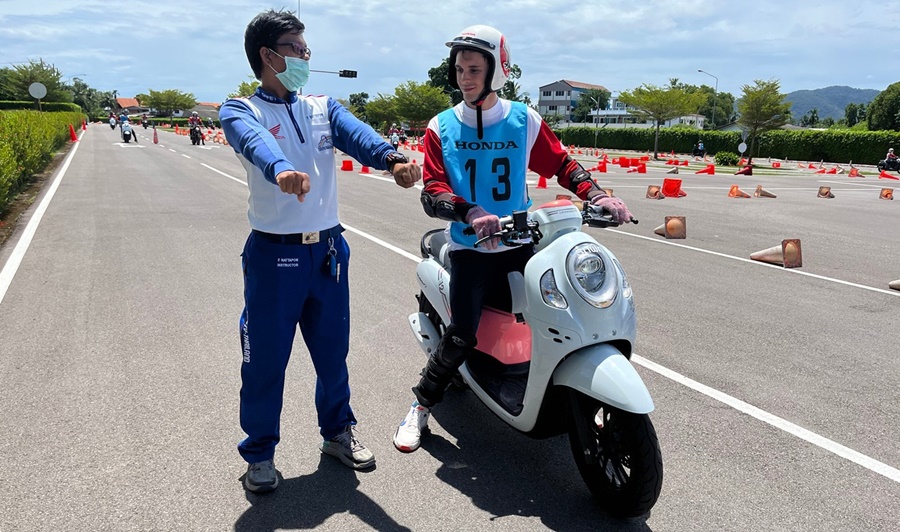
[601,371]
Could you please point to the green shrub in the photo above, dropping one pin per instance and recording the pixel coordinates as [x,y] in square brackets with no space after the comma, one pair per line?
[838,145]
[28,140]
[727,158]
[47,107]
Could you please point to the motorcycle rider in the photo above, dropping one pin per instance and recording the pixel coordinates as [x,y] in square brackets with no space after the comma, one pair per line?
[126,128]
[891,158]
[469,187]
[395,140]
[195,120]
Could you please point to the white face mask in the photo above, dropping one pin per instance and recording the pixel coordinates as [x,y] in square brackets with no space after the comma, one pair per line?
[296,72]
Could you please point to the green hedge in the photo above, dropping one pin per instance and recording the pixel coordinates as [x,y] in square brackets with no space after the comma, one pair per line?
[50,107]
[865,147]
[28,140]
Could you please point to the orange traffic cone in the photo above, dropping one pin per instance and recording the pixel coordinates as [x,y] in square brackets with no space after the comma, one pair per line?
[347,165]
[886,193]
[674,227]
[825,192]
[683,163]
[654,192]
[84,125]
[710,170]
[763,193]
[895,285]
[736,192]
[602,167]
[671,188]
[364,170]
[673,170]
[854,172]
[885,175]
[788,254]
[155,136]
[746,170]
[542,182]
[72,134]
[820,170]
[776,164]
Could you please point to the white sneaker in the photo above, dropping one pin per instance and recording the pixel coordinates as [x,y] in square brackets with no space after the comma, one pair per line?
[347,447]
[409,433]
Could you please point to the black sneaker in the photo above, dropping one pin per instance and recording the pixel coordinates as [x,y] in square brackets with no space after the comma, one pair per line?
[261,477]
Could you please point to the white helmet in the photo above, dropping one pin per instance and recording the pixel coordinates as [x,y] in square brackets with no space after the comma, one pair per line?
[492,44]
[195,113]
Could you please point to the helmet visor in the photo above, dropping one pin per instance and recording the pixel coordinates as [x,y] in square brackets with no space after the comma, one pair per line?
[468,40]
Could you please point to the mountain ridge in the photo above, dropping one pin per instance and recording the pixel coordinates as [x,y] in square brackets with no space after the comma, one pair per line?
[828,101]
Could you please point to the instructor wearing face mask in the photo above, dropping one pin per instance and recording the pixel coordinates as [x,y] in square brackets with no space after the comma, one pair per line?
[295,261]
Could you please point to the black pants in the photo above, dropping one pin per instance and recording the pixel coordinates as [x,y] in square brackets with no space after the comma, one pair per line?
[477,279]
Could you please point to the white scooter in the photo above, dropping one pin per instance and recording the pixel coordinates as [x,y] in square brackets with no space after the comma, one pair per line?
[557,361]
[128,133]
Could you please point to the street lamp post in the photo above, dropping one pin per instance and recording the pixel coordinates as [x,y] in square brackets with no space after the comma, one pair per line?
[596,103]
[715,93]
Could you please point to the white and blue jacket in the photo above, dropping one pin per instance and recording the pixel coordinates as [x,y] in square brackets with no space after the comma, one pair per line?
[271,135]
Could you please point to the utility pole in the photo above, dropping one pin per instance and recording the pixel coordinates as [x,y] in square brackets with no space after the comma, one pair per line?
[715,97]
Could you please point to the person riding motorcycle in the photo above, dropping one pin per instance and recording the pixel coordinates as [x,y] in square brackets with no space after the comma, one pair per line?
[890,155]
[127,132]
[475,186]
[195,120]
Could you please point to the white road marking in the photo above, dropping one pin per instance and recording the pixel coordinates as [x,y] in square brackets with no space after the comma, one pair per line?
[224,174]
[185,156]
[171,150]
[820,441]
[382,243]
[879,186]
[12,265]
[894,293]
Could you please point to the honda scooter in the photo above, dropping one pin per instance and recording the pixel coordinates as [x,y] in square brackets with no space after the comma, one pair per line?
[558,361]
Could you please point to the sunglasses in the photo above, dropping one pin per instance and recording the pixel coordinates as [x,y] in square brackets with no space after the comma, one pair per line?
[296,47]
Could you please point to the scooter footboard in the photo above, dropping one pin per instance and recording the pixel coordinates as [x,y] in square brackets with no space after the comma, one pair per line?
[602,372]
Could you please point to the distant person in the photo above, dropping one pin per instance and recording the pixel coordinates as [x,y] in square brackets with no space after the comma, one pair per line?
[195,120]
[395,140]
[890,155]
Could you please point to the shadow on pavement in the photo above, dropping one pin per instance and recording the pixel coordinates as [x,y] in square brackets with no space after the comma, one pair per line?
[308,501]
[508,474]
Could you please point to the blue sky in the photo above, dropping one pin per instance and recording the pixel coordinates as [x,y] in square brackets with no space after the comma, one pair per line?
[198,46]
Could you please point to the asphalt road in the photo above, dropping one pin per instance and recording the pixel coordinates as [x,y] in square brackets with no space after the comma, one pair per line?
[777,391]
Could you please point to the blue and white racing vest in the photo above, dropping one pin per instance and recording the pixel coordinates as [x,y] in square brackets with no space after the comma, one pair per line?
[488,172]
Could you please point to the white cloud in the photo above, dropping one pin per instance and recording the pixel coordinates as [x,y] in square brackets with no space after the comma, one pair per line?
[620,44]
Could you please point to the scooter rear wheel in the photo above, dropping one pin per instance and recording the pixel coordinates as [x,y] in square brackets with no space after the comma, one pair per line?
[621,463]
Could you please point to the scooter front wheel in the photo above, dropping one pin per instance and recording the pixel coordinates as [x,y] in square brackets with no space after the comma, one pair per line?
[618,456]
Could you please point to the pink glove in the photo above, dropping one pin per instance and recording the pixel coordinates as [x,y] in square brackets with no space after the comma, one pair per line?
[614,206]
[484,224]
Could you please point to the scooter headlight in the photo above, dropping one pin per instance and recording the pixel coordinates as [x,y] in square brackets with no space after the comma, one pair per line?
[626,288]
[590,276]
[550,293]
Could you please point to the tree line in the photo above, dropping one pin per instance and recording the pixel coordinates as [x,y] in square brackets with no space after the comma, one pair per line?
[760,108]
